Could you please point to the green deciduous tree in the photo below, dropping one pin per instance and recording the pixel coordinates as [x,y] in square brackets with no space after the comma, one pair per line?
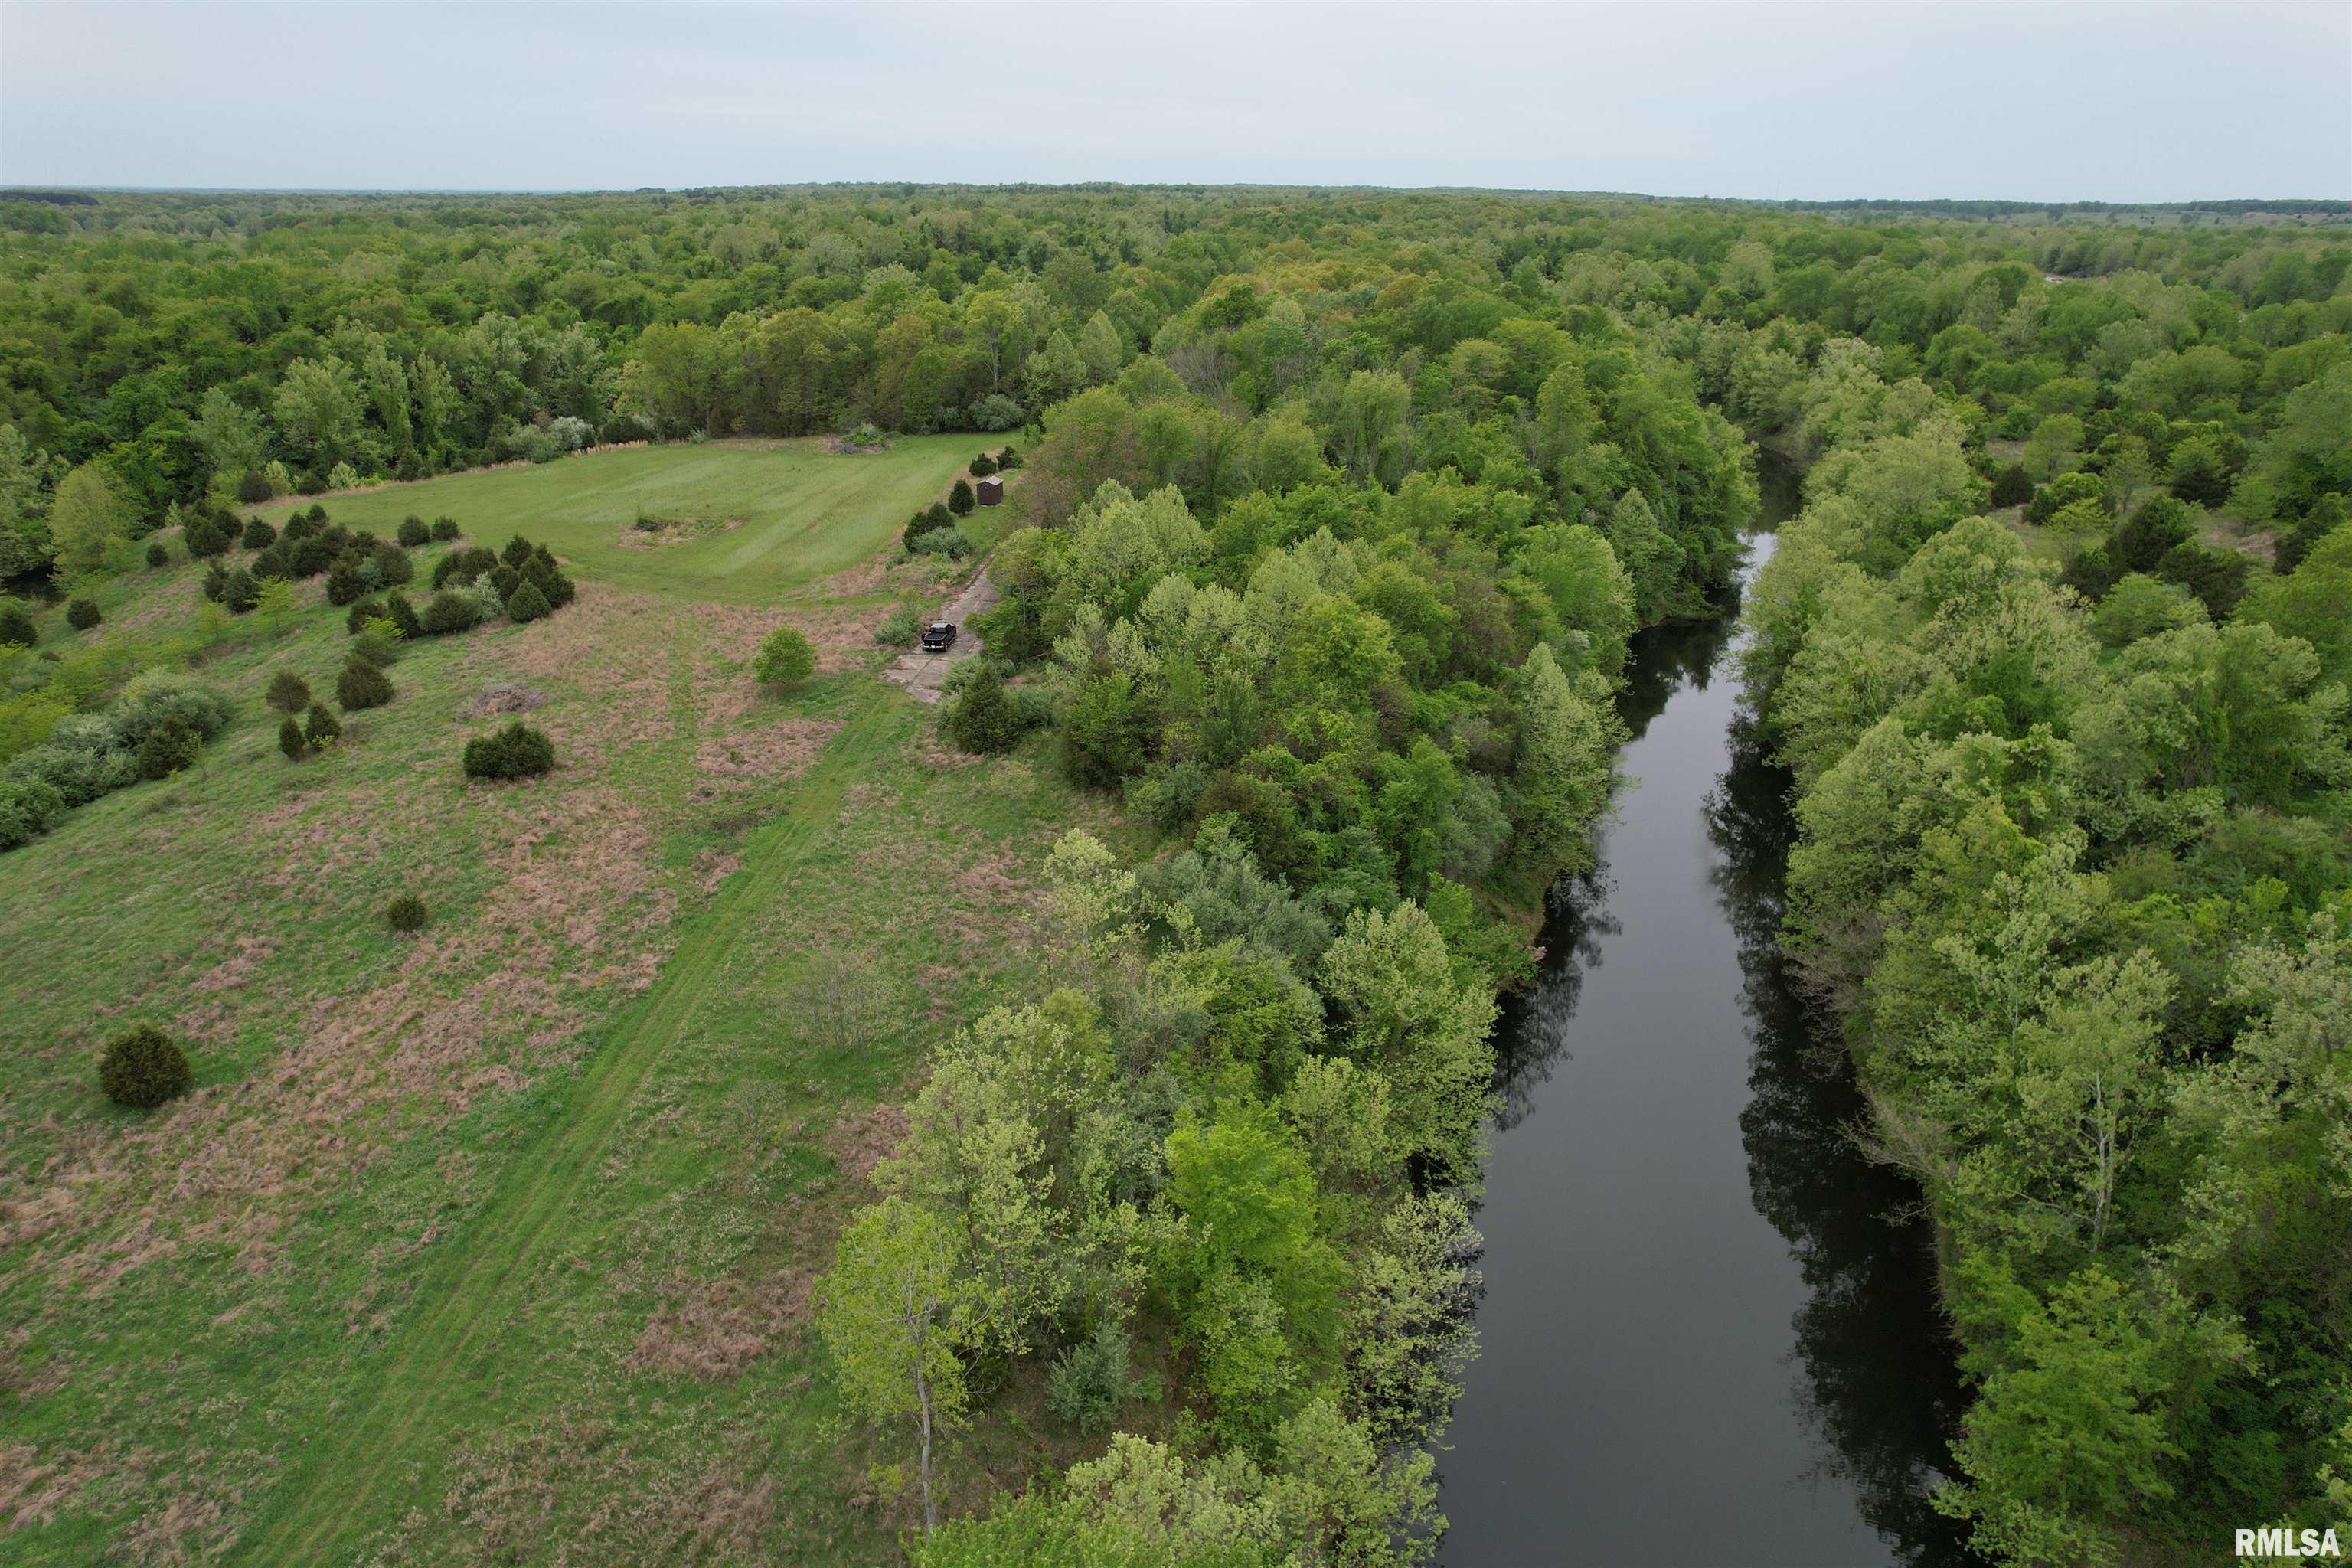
[887,1314]
[89,521]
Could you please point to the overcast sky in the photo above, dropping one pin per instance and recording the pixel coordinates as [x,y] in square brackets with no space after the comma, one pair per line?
[2118,101]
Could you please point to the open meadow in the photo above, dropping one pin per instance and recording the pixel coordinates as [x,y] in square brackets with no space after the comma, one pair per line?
[747,518]
[503,1231]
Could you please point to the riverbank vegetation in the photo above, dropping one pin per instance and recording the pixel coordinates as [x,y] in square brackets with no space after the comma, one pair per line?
[2074,871]
[1137,1227]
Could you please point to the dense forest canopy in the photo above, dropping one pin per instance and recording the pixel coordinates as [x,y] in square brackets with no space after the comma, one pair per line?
[1339,508]
[182,340]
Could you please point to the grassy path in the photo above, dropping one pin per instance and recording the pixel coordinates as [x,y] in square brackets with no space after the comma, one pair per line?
[483,1276]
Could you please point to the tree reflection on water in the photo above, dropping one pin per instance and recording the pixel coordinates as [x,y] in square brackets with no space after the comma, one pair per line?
[1874,1373]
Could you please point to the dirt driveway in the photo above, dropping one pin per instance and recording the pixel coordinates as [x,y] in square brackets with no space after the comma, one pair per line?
[921,673]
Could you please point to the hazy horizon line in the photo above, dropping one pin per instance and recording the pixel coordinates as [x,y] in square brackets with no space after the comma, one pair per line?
[27,188]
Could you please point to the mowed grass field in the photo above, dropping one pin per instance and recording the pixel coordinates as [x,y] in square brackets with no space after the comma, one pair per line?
[789,512]
[495,1243]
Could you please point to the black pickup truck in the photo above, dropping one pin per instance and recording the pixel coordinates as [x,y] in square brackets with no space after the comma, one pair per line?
[939,636]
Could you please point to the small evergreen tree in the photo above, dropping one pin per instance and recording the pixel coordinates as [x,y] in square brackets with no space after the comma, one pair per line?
[254,489]
[82,614]
[158,557]
[240,591]
[2013,486]
[784,659]
[449,612]
[413,532]
[984,719]
[403,616]
[290,740]
[982,465]
[215,585]
[288,693]
[518,550]
[16,625]
[445,528]
[259,535]
[168,748]
[144,1069]
[390,562]
[960,499]
[362,686]
[364,611]
[378,644]
[318,726]
[344,583]
[405,913]
[527,603]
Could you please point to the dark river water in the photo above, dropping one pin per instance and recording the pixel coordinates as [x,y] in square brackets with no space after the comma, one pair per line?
[1706,1336]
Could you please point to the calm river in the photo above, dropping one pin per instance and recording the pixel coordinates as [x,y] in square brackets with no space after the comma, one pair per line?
[1705,1342]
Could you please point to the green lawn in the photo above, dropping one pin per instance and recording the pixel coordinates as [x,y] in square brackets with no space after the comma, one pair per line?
[494,1244]
[804,513]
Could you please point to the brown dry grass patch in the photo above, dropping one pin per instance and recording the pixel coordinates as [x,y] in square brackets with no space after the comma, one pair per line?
[779,751]
[713,1329]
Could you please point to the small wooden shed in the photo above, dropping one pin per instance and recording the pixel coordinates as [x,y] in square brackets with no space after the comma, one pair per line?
[991,490]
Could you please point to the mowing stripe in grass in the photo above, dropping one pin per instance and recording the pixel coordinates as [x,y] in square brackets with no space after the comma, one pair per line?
[479,1279]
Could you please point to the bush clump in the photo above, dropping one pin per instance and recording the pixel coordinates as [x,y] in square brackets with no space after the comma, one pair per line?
[168,749]
[159,556]
[16,625]
[203,537]
[2013,486]
[82,614]
[898,627]
[952,543]
[345,583]
[445,528]
[784,659]
[144,1069]
[517,752]
[1090,1381]
[448,611]
[362,613]
[987,718]
[362,686]
[930,520]
[463,565]
[413,532]
[254,487]
[405,913]
[995,412]
[982,465]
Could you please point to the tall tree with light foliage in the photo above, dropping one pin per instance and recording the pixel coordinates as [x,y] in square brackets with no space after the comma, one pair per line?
[886,1314]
